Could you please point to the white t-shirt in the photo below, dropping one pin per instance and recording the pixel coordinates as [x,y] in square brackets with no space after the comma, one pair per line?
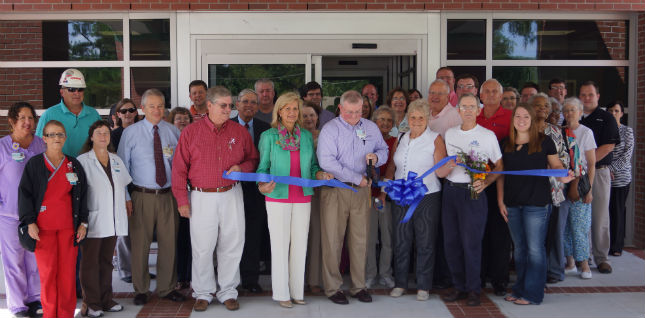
[479,140]
[585,141]
[417,155]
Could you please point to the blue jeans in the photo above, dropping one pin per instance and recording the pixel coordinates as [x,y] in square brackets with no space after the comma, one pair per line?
[528,225]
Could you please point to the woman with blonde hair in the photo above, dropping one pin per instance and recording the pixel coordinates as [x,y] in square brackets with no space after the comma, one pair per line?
[288,150]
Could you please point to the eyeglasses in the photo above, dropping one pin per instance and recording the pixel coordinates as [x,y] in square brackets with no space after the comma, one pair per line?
[437,93]
[467,86]
[468,108]
[224,105]
[400,98]
[314,94]
[75,89]
[125,110]
[252,102]
[55,135]
[559,88]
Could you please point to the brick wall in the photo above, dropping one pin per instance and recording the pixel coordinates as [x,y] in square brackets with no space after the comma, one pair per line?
[639,133]
[255,5]
[614,35]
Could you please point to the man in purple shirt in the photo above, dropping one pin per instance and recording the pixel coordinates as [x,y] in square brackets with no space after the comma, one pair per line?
[345,147]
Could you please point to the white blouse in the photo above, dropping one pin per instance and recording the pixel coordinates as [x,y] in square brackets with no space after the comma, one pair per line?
[417,155]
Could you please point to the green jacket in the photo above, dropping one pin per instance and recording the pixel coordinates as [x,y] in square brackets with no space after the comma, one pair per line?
[275,161]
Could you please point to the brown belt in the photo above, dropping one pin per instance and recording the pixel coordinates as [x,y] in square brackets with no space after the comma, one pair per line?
[146,190]
[220,189]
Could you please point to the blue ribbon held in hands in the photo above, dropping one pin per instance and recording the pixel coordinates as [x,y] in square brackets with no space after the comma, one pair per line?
[411,190]
[302,182]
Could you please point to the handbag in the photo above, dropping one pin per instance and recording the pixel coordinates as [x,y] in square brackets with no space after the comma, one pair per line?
[26,240]
[583,184]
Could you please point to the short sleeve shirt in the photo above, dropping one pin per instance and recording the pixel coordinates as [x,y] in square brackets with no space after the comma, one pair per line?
[605,131]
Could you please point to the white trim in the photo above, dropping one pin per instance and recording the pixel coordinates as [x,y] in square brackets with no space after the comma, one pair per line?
[184,60]
[127,78]
[574,63]
[74,15]
[66,64]
[173,60]
[631,121]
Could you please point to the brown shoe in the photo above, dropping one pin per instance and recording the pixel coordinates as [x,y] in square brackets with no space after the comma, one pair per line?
[363,296]
[232,304]
[604,268]
[200,305]
[339,298]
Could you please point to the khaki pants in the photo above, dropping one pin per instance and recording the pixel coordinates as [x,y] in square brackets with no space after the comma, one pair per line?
[150,211]
[600,216]
[342,209]
[314,252]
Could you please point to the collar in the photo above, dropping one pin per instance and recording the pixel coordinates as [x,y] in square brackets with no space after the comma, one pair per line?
[64,108]
[242,122]
[194,112]
[149,126]
[443,111]
[498,113]
[348,126]
[212,127]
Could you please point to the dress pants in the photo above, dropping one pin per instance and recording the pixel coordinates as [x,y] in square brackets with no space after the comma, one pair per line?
[556,260]
[123,256]
[149,211]
[96,272]
[464,220]
[288,228]
[314,251]
[342,209]
[600,216]
[422,230]
[184,257]
[216,225]
[255,218]
[22,284]
[56,257]
[617,217]
[496,246]
[380,221]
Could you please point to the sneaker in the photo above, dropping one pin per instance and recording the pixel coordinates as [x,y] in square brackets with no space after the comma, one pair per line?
[115,308]
[422,295]
[397,292]
[585,275]
[369,282]
[386,281]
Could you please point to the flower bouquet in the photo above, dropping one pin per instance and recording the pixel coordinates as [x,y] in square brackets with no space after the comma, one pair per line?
[474,161]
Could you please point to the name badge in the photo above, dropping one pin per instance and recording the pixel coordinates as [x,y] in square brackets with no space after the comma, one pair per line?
[361,134]
[43,208]
[168,151]
[115,166]
[72,178]
[18,156]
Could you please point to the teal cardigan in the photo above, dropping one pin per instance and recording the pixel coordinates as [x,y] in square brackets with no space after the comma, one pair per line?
[275,161]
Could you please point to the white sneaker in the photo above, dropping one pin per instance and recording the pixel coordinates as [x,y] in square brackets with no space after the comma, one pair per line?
[570,271]
[422,295]
[116,308]
[397,292]
[369,282]
[386,281]
[94,314]
[585,275]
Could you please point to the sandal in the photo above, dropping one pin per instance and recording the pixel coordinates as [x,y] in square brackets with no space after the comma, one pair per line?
[617,254]
[511,298]
[523,302]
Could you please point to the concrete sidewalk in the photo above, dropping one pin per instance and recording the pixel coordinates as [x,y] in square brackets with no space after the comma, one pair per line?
[620,294]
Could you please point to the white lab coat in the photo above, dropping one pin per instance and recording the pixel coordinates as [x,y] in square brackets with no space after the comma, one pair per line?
[107,212]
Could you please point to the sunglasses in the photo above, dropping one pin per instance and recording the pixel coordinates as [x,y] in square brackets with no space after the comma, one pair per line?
[125,110]
[75,89]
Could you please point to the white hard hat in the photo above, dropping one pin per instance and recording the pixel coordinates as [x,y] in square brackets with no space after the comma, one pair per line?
[72,78]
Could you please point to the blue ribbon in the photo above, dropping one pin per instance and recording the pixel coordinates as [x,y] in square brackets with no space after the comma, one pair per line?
[263,177]
[411,190]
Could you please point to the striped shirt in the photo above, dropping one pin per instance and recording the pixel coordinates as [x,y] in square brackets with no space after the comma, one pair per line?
[621,165]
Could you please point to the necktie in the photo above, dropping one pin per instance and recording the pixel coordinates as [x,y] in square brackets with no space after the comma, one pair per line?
[248,128]
[160,169]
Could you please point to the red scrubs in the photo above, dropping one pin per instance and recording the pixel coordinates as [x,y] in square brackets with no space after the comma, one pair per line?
[55,252]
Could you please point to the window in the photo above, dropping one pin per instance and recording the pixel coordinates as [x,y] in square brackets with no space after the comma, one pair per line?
[36,52]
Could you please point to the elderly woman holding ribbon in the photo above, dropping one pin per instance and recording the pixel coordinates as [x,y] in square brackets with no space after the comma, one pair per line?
[19,265]
[524,202]
[52,201]
[582,150]
[288,150]
[107,181]
[416,152]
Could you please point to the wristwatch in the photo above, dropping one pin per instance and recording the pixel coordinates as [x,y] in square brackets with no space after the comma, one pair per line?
[84,224]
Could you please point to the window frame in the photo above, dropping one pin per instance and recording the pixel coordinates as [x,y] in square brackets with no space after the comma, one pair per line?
[126,64]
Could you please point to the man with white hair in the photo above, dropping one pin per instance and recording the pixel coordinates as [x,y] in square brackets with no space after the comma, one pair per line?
[216,208]
[493,116]
[442,117]
[71,111]
[265,89]
[346,145]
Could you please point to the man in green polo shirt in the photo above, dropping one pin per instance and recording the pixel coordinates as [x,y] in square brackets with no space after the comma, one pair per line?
[75,116]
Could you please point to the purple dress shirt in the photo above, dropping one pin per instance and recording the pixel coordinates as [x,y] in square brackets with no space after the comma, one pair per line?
[11,171]
[342,148]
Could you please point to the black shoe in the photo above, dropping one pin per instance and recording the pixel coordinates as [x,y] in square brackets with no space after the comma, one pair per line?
[24,313]
[254,288]
[175,296]
[363,296]
[35,309]
[454,296]
[140,299]
[473,299]
[127,279]
[441,285]
[152,276]
[339,298]
[499,289]
[551,280]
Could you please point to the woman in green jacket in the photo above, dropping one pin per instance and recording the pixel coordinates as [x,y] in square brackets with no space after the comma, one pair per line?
[288,150]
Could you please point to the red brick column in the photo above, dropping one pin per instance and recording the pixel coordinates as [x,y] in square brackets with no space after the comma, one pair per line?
[639,133]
